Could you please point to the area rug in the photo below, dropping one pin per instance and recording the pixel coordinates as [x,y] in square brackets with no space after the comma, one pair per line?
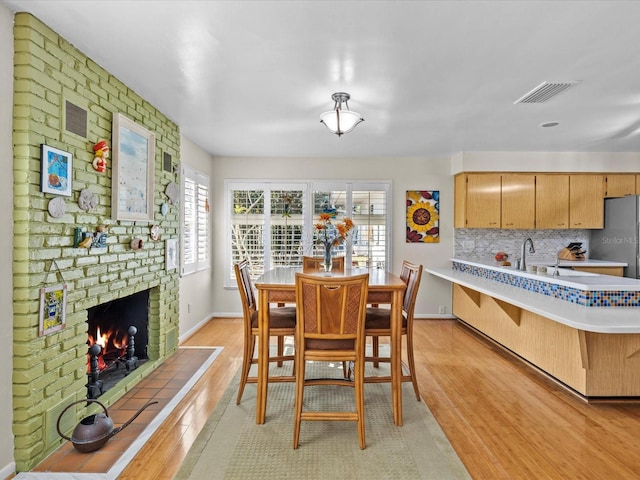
[232,446]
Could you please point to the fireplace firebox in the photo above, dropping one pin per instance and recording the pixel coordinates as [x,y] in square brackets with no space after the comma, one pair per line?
[117,337]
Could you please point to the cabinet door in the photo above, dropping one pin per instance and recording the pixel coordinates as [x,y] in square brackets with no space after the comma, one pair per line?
[552,201]
[460,201]
[518,201]
[619,185]
[483,201]
[586,201]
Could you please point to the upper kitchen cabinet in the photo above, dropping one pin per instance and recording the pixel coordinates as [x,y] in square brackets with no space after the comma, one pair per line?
[619,184]
[477,201]
[518,201]
[552,201]
[459,201]
[586,205]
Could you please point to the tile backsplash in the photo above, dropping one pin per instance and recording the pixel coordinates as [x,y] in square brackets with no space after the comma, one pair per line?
[483,242]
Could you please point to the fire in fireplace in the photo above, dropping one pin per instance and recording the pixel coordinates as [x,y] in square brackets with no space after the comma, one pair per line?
[117,336]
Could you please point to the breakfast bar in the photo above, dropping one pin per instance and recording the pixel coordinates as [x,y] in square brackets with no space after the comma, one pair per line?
[581,328]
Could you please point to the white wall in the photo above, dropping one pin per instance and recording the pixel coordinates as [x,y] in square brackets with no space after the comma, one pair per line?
[405,173]
[546,162]
[196,290]
[7,465]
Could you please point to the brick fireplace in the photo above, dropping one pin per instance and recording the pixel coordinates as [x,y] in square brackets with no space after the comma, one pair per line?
[50,371]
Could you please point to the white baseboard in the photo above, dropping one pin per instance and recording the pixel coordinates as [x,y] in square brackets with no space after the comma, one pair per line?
[10,469]
[195,328]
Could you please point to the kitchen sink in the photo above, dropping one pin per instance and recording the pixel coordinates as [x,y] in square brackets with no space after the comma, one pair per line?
[565,272]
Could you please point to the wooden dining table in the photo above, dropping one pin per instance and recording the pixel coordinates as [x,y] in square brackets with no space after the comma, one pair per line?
[278,286]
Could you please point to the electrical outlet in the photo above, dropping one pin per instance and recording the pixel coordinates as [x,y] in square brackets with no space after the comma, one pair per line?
[468,245]
[442,309]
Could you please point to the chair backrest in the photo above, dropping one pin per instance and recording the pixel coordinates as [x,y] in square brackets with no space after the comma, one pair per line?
[331,308]
[314,264]
[245,287]
[410,274]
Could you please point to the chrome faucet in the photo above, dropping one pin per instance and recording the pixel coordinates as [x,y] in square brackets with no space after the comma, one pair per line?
[523,263]
[556,272]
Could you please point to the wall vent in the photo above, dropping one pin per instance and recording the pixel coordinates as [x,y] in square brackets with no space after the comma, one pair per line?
[544,92]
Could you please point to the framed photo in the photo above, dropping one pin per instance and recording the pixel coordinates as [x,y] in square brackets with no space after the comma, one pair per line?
[133,170]
[57,172]
[423,216]
[171,254]
[53,309]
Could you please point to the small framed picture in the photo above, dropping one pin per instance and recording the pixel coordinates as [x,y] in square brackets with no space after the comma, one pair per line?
[171,254]
[56,168]
[53,309]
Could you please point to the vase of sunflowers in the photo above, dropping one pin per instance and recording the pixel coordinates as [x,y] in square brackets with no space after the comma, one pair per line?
[331,235]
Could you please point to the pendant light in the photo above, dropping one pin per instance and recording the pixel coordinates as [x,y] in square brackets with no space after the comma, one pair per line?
[340,120]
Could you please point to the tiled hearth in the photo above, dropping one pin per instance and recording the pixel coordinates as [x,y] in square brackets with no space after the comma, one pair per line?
[168,384]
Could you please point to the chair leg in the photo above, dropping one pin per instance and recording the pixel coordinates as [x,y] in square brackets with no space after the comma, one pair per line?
[247,356]
[300,367]
[412,365]
[359,394]
[375,345]
[280,349]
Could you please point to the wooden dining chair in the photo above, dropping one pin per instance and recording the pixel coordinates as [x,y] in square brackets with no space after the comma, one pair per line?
[330,328]
[282,323]
[378,324]
[314,264]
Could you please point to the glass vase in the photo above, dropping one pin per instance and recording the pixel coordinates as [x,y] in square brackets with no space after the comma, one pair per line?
[327,262]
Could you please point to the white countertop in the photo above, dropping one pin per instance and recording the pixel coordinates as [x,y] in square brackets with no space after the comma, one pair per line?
[569,278]
[590,319]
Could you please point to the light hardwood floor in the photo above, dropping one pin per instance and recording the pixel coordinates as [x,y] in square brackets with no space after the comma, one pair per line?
[504,419]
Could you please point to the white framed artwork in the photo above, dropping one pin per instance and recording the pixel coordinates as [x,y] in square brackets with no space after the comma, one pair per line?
[133,170]
[171,254]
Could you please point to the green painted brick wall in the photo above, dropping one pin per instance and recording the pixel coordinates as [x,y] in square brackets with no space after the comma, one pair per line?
[50,371]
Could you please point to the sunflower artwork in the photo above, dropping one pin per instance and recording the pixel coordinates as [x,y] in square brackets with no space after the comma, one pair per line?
[423,215]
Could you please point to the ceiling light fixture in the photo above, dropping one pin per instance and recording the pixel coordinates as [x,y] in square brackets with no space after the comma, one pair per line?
[340,121]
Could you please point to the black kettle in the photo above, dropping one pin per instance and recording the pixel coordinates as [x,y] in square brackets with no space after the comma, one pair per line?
[95,430]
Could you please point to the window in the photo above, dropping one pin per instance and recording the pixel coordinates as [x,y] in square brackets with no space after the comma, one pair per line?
[195,221]
[271,224]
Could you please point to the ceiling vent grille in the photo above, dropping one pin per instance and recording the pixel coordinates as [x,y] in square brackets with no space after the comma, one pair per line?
[544,92]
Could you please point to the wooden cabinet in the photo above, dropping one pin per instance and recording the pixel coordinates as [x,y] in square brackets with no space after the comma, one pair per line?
[518,204]
[477,200]
[527,201]
[552,201]
[619,184]
[586,201]
[460,201]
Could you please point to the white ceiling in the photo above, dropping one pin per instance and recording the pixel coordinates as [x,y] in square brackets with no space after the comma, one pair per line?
[431,78]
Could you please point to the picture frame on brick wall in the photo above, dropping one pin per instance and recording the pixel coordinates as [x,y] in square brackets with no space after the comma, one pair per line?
[171,254]
[56,167]
[53,309]
[133,170]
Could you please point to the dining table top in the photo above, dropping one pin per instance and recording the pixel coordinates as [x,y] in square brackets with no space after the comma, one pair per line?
[285,277]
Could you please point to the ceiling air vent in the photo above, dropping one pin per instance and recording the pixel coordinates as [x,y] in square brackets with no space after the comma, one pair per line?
[544,92]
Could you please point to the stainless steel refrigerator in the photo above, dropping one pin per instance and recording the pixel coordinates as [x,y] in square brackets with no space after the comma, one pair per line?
[619,241]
